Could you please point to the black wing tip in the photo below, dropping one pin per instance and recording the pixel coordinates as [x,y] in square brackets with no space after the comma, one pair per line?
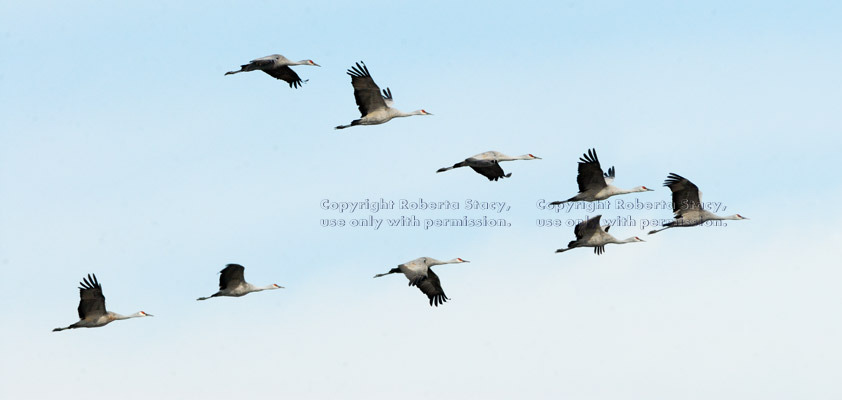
[674,178]
[359,70]
[435,300]
[589,157]
[89,282]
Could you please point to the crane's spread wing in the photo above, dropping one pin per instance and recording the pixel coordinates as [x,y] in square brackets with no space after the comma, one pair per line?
[415,271]
[366,92]
[609,176]
[260,63]
[492,171]
[231,276]
[287,75]
[685,194]
[92,302]
[590,173]
[431,286]
[587,227]
[387,97]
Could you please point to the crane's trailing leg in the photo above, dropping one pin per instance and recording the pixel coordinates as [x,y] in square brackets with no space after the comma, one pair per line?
[353,123]
[205,298]
[457,165]
[658,230]
[555,203]
[391,271]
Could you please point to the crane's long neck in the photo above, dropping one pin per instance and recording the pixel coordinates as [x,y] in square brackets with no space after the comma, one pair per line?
[262,288]
[115,317]
[433,261]
[399,113]
[728,217]
[615,190]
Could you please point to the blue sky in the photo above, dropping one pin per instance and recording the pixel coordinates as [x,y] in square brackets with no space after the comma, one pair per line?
[125,152]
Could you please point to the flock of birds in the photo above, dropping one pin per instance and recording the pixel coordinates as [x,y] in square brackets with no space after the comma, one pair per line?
[376,108]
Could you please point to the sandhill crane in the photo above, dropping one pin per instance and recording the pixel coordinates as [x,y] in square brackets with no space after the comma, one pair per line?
[590,234]
[488,164]
[687,205]
[233,284]
[276,66]
[594,184]
[91,309]
[374,107]
[419,274]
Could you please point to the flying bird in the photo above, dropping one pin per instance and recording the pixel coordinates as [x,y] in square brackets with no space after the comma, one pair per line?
[488,164]
[420,275]
[594,184]
[276,66]
[232,283]
[590,234]
[375,108]
[687,205]
[92,313]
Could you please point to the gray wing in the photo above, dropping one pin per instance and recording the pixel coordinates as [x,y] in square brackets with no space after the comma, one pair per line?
[685,194]
[387,97]
[366,92]
[492,171]
[231,276]
[590,173]
[287,75]
[587,227]
[431,286]
[92,302]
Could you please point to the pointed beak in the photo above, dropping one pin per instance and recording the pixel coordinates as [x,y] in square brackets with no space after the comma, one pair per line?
[537,158]
[317,65]
[463,260]
[148,315]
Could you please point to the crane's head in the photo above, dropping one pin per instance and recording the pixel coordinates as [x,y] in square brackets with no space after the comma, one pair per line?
[643,189]
[532,157]
[144,314]
[310,62]
[424,112]
[276,286]
[637,239]
[740,217]
[461,260]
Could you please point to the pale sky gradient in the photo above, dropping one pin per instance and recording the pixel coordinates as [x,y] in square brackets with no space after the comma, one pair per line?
[125,152]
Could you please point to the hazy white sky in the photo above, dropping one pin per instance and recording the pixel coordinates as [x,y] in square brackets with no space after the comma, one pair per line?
[125,152]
